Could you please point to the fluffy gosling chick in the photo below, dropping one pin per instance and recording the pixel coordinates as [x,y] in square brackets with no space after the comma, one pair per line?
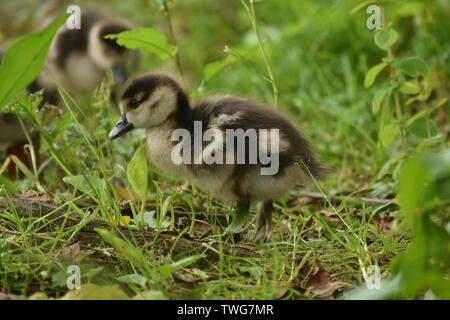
[156,103]
[79,58]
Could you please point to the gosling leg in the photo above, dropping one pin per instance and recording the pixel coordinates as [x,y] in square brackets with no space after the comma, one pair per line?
[264,228]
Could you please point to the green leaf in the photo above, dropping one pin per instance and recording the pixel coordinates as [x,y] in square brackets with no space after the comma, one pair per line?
[411,183]
[90,184]
[240,219]
[388,134]
[386,38]
[412,66]
[165,206]
[8,185]
[168,269]
[137,172]
[373,73]
[410,87]
[24,59]
[379,98]
[134,278]
[426,261]
[146,39]
[234,55]
[213,68]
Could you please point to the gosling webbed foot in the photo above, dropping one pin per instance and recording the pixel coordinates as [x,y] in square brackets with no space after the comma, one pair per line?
[264,228]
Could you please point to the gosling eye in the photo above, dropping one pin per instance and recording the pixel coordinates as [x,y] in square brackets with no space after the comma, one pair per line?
[134,103]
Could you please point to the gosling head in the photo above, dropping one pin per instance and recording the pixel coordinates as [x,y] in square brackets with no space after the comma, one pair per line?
[149,101]
[107,53]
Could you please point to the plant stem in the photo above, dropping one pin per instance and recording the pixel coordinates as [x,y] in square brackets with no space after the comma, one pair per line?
[398,107]
[252,17]
[172,36]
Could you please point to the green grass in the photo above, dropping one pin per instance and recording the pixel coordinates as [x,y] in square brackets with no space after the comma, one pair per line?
[317,57]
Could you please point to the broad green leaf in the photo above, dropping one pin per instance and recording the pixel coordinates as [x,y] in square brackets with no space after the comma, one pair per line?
[24,59]
[388,134]
[146,39]
[234,55]
[213,68]
[413,182]
[412,66]
[90,184]
[138,173]
[240,219]
[168,269]
[385,38]
[378,99]
[424,264]
[373,73]
[8,185]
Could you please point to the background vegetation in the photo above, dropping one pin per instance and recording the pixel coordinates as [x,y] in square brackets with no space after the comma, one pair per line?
[373,103]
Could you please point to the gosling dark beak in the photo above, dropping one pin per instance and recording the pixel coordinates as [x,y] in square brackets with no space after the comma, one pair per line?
[122,126]
[119,73]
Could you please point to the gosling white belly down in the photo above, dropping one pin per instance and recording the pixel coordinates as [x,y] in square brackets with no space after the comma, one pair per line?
[219,181]
[214,183]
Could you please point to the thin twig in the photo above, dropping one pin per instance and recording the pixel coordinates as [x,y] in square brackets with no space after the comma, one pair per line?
[341,198]
[398,107]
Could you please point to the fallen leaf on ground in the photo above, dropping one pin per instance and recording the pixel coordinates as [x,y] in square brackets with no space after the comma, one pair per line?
[384,224]
[331,216]
[305,200]
[69,255]
[320,282]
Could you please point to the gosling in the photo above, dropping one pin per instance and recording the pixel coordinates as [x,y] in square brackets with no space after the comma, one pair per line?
[156,102]
[80,58]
